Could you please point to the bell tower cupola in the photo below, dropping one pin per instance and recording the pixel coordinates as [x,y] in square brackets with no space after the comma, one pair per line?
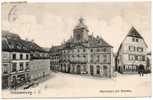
[80,32]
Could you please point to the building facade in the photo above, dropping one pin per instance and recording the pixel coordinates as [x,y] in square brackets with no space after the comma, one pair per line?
[83,54]
[131,53]
[55,54]
[39,63]
[15,61]
[22,61]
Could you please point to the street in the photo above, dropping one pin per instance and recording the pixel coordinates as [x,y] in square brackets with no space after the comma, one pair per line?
[71,85]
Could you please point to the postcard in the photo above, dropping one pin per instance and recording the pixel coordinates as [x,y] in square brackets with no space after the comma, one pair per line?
[76,49]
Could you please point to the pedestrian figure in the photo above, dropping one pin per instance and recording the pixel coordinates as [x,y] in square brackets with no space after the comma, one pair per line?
[141,70]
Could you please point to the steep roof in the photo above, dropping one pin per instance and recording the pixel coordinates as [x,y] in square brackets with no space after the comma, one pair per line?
[33,46]
[134,33]
[55,48]
[97,42]
[13,43]
[92,42]
[7,34]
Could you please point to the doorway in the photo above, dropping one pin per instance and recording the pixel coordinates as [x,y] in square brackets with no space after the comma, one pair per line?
[78,69]
[91,70]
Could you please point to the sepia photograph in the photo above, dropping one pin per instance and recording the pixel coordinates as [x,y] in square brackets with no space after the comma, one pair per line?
[76,50]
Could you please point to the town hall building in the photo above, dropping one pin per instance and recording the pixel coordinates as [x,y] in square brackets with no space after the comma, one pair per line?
[83,54]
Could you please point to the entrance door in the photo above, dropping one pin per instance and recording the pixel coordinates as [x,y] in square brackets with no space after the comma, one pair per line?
[91,70]
[5,82]
[43,74]
[14,82]
[105,71]
[78,69]
[68,69]
[98,70]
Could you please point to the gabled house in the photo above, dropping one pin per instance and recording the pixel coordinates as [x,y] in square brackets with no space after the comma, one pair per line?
[131,53]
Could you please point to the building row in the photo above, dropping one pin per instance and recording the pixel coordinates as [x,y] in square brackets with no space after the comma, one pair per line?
[22,61]
[89,55]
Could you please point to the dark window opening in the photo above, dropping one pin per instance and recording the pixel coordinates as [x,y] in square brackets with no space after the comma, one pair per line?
[21,56]
[14,56]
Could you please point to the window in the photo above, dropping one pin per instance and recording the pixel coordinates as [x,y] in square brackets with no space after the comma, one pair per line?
[78,55]
[14,56]
[98,50]
[104,49]
[27,64]
[131,57]
[5,66]
[98,58]
[104,60]
[134,48]
[5,55]
[91,50]
[27,56]
[137,40]
[21,56]
[124,67]
[78,50]
[139,49]
[139,58]
[136,57]
[133,39]
[21,66]
[131,48]
[98,41]
[14,65]
[143,58]
[84,50]
[104,56]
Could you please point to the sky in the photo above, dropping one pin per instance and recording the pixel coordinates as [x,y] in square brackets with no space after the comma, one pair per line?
[50,24]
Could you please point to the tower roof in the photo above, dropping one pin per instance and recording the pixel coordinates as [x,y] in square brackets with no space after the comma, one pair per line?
[81,24]
[134,33]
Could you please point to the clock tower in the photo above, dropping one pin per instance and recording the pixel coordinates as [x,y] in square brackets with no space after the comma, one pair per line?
[80,32]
